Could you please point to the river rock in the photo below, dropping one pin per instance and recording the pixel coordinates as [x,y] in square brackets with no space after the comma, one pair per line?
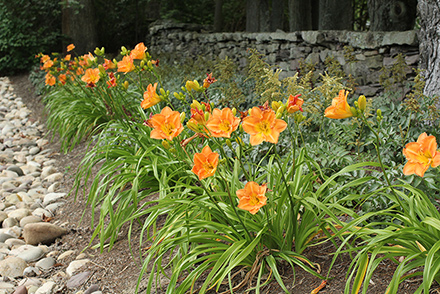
[28,253]
[12,267]
[53,197]
[76,265]
[16,169]
[20,290]
[46,288]
[78,280]
[44,233]
[45,263]
[19,214]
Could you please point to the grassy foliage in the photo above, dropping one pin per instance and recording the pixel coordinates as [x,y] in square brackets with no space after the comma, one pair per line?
[200,220]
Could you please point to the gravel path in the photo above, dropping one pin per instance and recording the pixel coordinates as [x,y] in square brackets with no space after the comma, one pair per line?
[31,258]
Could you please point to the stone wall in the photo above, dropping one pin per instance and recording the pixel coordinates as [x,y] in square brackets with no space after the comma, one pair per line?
[371,51]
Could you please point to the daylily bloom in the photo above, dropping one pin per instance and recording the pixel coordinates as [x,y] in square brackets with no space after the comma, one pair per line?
[252,197]
[150,97]
[166,124]
[294,103]
[126,64]
[91,77]
[50,79]
[86,60]
[138,52]
[62,78]
[48,64]
[263,126]
[208,81]
[339,108]
[112,80]
[44,58]
[70,47]
[79,71]
[67,58]
[222,123]
[421,155]
[205,163]
[108,64]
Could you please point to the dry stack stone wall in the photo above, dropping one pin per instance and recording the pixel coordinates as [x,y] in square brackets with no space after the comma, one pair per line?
[371,51]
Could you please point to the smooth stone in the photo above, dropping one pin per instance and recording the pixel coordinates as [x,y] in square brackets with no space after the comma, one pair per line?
[3,216]
[43,233]
[45,263]
[6,286]
[40,212]
[54,206]
[33,289]
[81,256]
[27,282]
[14,242]
[28,253]
[46,288]
[53,197]
[96,292]
[10,222]
[31,271]
[76,265]
[66,254]
[47,171]
[14,231]
[78,280]
[93,288]
[13,199]
[30,219]
[19,214]
[20,290]
[21,205]
[16,169]
[12,267]
[34,150]
[56,177]
[52,188]
[4,237]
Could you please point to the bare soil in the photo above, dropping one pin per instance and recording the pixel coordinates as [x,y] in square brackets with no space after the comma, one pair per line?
[117,271]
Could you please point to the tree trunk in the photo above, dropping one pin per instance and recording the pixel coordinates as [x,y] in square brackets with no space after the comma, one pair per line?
[392,15]
[264,16]
[335,15]
[277,17]
[429,43]
[300,15]
[218,16]
[79,25]
[252,16]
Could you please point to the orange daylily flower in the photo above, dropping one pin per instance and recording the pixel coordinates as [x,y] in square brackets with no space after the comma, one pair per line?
[150,97]
[166,124]
[79,71]
[294,104]
[50,79]
[86,60]
[112,80]
[62,78]
[222,123]
[208,81]
[91,77]
[68,57]
[421,155]
[44,58]
[48,64]
[262,125]
[70,47]
[108,64]
[205,163]
[126,64]
[139,51]
[339,108]
[252,197]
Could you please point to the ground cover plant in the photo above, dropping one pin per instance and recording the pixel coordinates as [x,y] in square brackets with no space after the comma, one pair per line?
[244,187]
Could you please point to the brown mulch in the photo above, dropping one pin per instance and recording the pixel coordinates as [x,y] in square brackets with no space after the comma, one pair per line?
[117,271]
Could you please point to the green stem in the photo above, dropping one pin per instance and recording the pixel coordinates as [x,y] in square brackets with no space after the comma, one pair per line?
[233,206]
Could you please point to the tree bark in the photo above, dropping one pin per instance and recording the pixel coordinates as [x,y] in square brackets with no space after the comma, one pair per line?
[277,17]
[79,24]
[218,16]
[300,15]
[429,44]
[252,16]
[335,15]
[264,16]
[392,15]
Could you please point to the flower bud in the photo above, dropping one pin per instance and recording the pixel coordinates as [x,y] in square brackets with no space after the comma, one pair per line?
[196,105]
[165,144]
[234,111]
[207,115]
[176,95]
[275,105]
[362,103]
[192,126]
[162,91]
[182,117]
[125,84]
[299,117]
[101,69]
[353,111]
[228,142]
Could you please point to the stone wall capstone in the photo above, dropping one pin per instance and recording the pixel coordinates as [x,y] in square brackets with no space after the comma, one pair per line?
[371,51]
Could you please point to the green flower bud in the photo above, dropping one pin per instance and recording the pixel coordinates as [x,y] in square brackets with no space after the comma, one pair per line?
[362,103]
[228,142]
[182,117]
